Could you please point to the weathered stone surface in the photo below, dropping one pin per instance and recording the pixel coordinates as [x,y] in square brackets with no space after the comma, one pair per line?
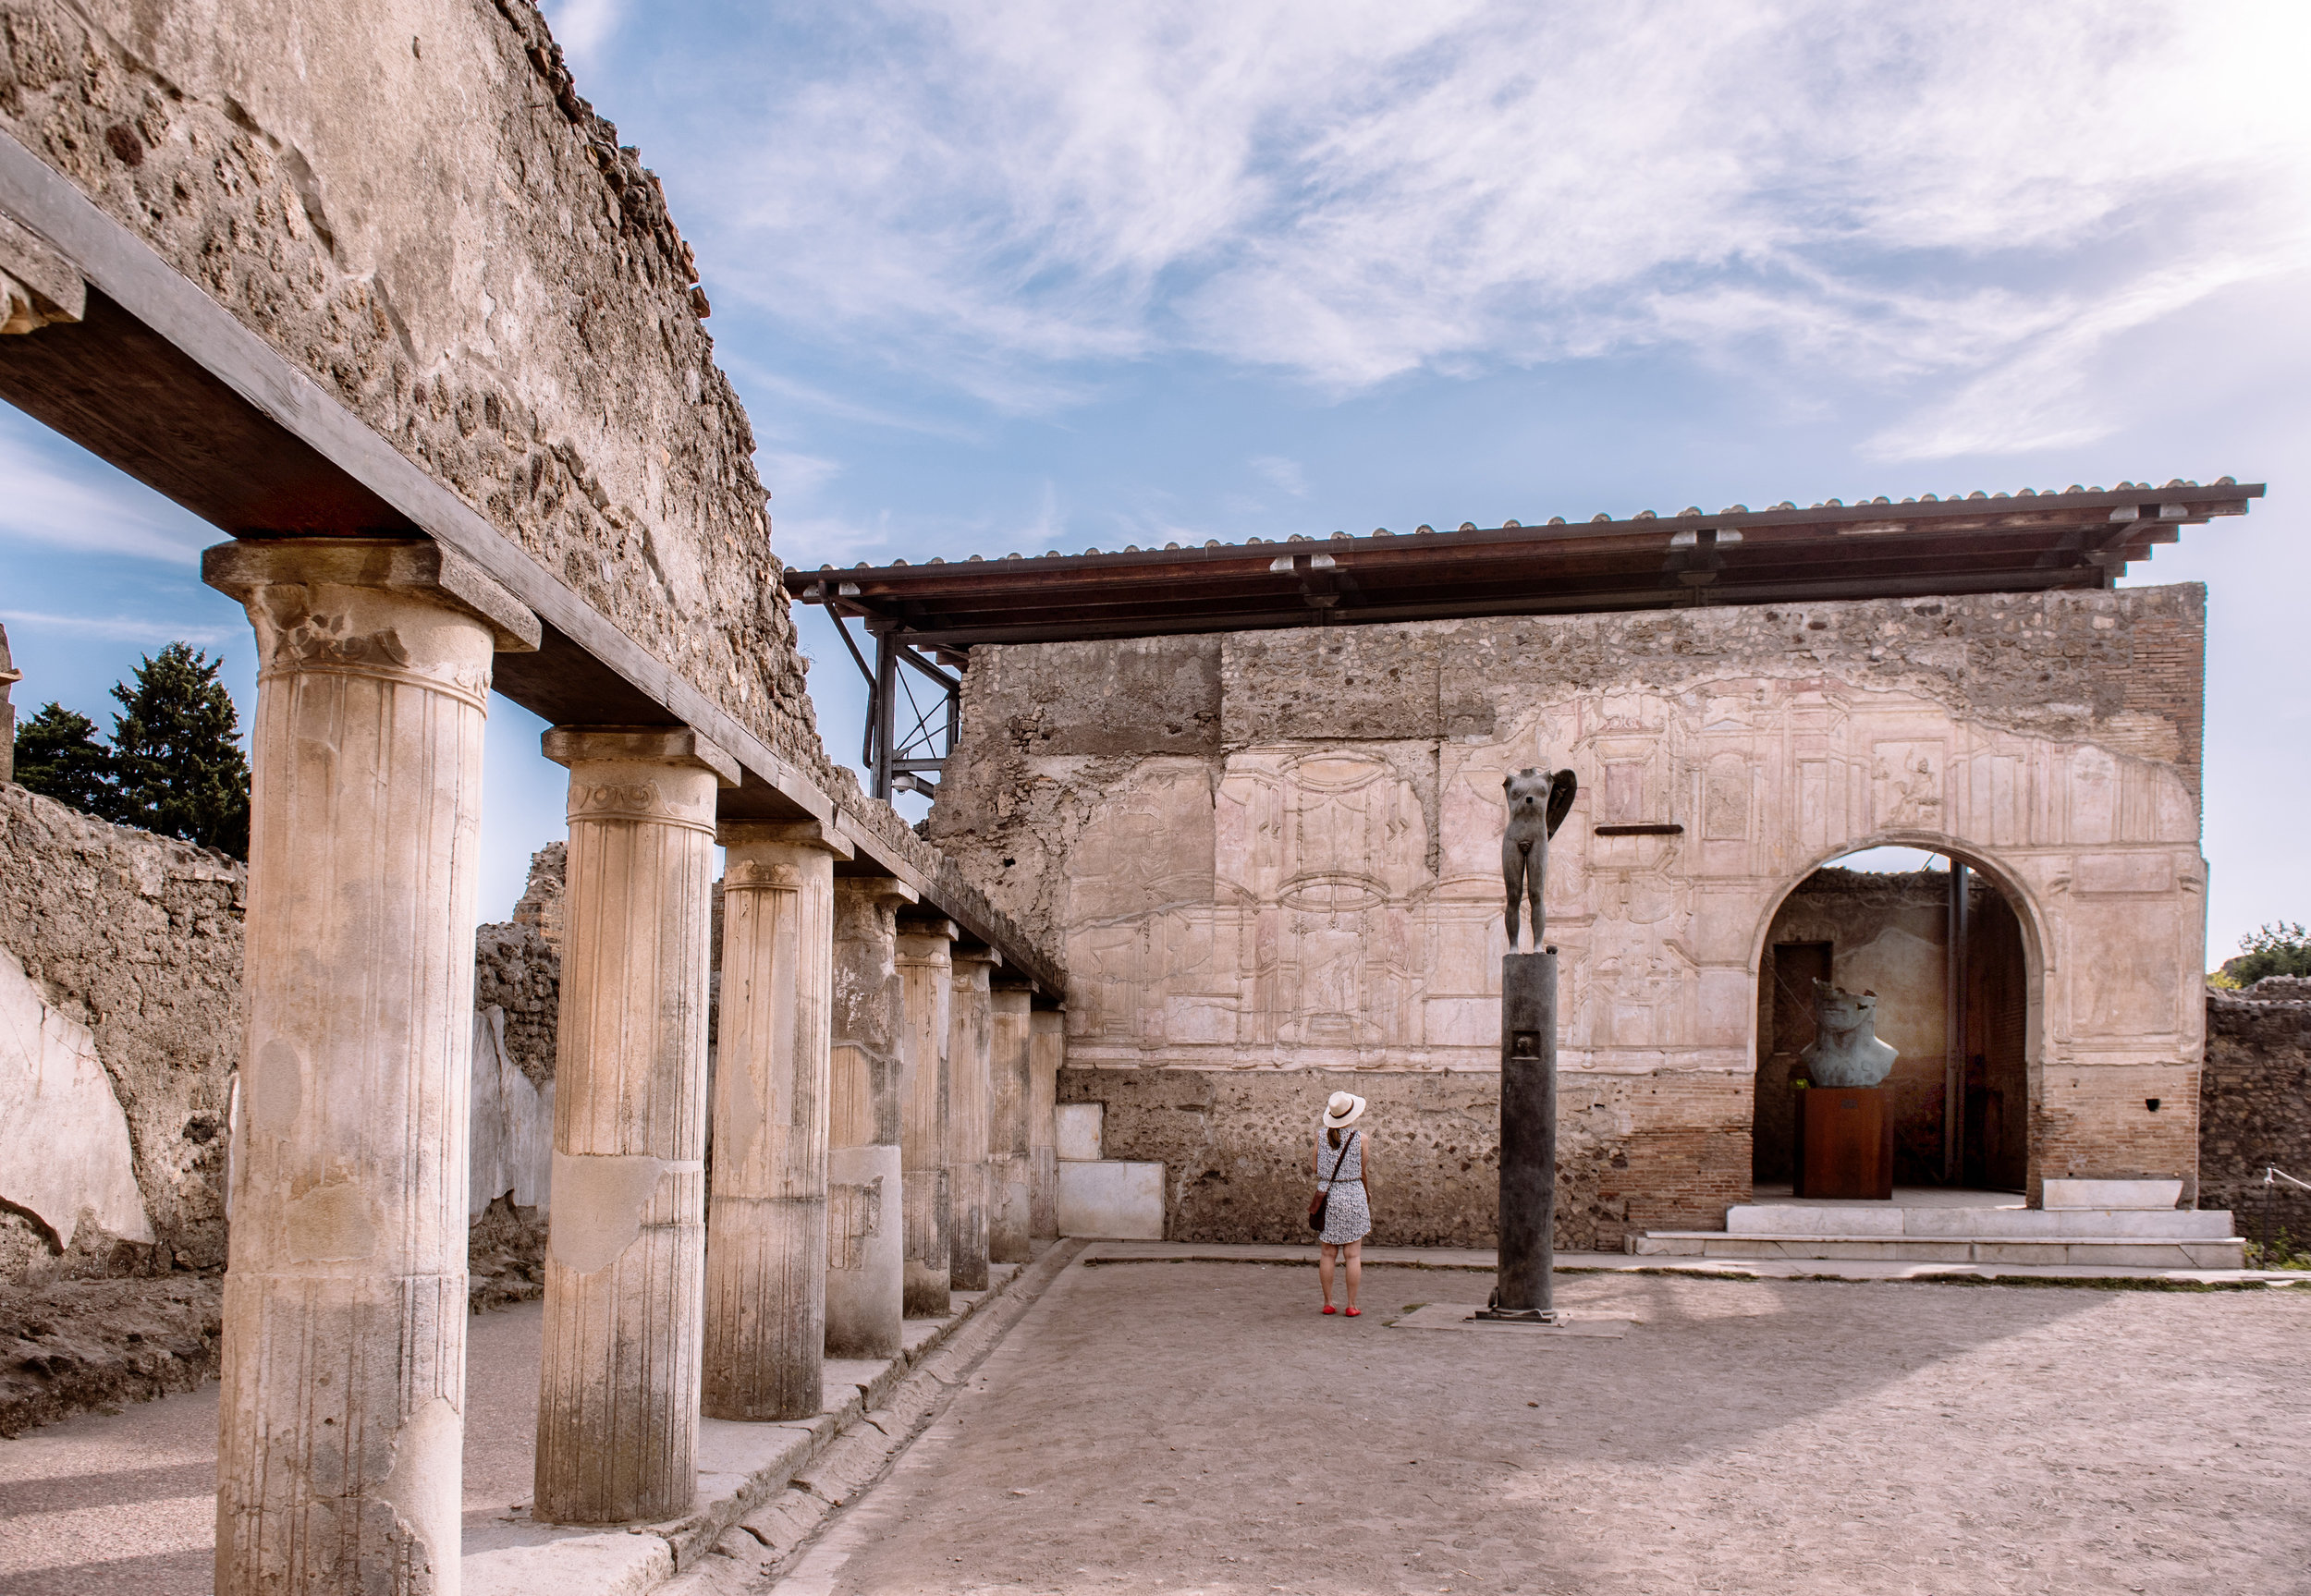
[137,938]
[2255,1106]
[64,1142]
[72,1344]
[1320,893]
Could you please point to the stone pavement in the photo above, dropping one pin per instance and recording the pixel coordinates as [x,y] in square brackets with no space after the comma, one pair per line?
[1199,1427]
[126,1501]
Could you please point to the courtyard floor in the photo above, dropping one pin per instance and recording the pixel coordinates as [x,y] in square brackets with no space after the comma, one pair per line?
[1195,1426]
[1176,1426]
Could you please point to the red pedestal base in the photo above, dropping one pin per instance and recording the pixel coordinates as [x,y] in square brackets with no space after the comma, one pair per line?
[1845,1142]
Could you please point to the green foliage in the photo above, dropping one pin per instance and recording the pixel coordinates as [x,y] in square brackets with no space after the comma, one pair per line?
[58,755]
[176,758]
[2281,949]
[2281,1254]
[174,764]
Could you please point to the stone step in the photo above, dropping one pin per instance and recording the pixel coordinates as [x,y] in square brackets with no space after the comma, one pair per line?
[2120,1251]
[1886,1221]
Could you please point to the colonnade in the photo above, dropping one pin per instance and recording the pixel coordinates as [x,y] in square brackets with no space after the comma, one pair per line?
[881,1112]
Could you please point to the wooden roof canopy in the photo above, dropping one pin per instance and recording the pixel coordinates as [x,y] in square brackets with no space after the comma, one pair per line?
[2021,542]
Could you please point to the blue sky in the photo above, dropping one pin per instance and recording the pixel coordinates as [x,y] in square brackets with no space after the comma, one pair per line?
[1048,275]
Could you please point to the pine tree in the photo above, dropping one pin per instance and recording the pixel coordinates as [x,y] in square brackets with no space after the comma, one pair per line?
[175,753]
[58,755]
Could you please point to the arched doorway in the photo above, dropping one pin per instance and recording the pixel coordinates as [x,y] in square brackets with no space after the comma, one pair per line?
[1944,949]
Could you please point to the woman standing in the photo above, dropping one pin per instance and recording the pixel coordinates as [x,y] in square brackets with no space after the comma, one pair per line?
[1341,1168]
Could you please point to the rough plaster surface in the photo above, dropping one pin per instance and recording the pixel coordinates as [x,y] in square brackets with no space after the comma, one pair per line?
[1168,1427]
[1279,850]
[64,1142]
[135,939]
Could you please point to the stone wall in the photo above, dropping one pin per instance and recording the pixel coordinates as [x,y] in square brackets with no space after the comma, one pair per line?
[120,1029]
[1274,854]
[2255,1105]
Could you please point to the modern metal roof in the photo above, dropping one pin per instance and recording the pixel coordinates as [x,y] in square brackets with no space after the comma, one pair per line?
[2024,542]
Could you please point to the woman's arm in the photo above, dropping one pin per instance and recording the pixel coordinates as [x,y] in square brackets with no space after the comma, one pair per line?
[1367,1166]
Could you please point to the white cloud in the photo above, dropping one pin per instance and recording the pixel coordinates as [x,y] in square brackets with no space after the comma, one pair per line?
[582,27]
[795,476]
[46,504]
[1285,474]
[1016,196]
[115,628]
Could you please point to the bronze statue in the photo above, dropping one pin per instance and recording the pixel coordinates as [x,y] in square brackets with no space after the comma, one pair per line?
[1538,801]
[1845,1050]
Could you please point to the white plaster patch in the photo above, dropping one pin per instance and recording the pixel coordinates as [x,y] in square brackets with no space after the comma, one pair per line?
[598,1203]
[512,1142]
[423,1485]
[64,1140]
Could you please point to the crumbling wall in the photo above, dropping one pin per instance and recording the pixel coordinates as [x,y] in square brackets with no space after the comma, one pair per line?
[2255,1106]
[1277,852]
[133,942]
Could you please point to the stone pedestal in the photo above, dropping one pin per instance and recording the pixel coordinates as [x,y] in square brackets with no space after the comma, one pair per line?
[341,1423]
[865,1240]
[1048,1044]
[926,969]
[1010,1048]
[618,1381]
[766,1250]
[1528,1133]
[1845,1143]
[969,1084]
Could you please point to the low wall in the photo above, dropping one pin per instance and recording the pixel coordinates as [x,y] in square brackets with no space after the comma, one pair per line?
[121,1026]
[2255,1105]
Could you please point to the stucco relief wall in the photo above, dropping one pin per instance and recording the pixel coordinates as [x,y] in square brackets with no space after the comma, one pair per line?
[1307,878]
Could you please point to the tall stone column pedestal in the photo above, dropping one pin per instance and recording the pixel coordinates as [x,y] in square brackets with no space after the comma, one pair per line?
[1528,1133]
[766,1211]
[1047,1046]
[1009,1161]
[341,1427]
[970,1041]
[865,1237]
[925,969]
[618,1379]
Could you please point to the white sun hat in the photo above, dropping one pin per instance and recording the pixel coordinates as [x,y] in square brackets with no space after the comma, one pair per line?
[1345,1109]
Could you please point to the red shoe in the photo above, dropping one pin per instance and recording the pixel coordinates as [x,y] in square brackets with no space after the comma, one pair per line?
[1329,1309]
[1355,1313]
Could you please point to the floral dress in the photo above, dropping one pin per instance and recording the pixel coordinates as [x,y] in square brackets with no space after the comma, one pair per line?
[1347,1216]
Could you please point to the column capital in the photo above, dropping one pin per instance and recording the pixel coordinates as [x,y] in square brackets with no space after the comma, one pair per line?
[677,746]
[418,567]
[811,833]
[936,927]
[878,889]
[979,953]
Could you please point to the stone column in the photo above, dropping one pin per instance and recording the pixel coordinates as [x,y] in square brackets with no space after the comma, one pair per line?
[1009,1159]
[925,970]
[865,1239]
[969,1084]
[619,1375]
[766,1209]
[341,1427]
[1048,1045]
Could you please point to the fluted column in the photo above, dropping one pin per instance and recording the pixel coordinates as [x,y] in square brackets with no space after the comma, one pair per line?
[341,1424]
[924,971]
[969,1085]
[618,1376]
[1009,1161]
[865,1239]
[1047,1053]
[766,1209]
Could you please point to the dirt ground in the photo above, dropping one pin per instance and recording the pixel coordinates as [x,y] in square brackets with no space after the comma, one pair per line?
[1199,1427]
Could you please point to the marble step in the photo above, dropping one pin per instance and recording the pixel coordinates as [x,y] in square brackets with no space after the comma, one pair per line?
[1888,1221]
[2117,1252]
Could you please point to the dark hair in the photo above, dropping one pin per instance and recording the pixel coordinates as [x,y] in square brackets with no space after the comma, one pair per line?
[1333,1136]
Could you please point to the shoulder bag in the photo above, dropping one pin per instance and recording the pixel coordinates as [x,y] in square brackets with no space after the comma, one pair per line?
[1324,1193]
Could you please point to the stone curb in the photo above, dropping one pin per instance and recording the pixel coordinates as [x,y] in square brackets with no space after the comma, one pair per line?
[1103,1253]
[756,1472]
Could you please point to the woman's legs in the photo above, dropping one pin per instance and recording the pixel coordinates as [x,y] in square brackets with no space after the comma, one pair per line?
[1355,1271]
[1324,1270]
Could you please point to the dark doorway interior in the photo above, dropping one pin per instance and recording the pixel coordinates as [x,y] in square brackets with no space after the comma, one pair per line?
[1890,932]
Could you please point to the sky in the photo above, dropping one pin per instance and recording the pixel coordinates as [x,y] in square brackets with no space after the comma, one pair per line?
[1046,275]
